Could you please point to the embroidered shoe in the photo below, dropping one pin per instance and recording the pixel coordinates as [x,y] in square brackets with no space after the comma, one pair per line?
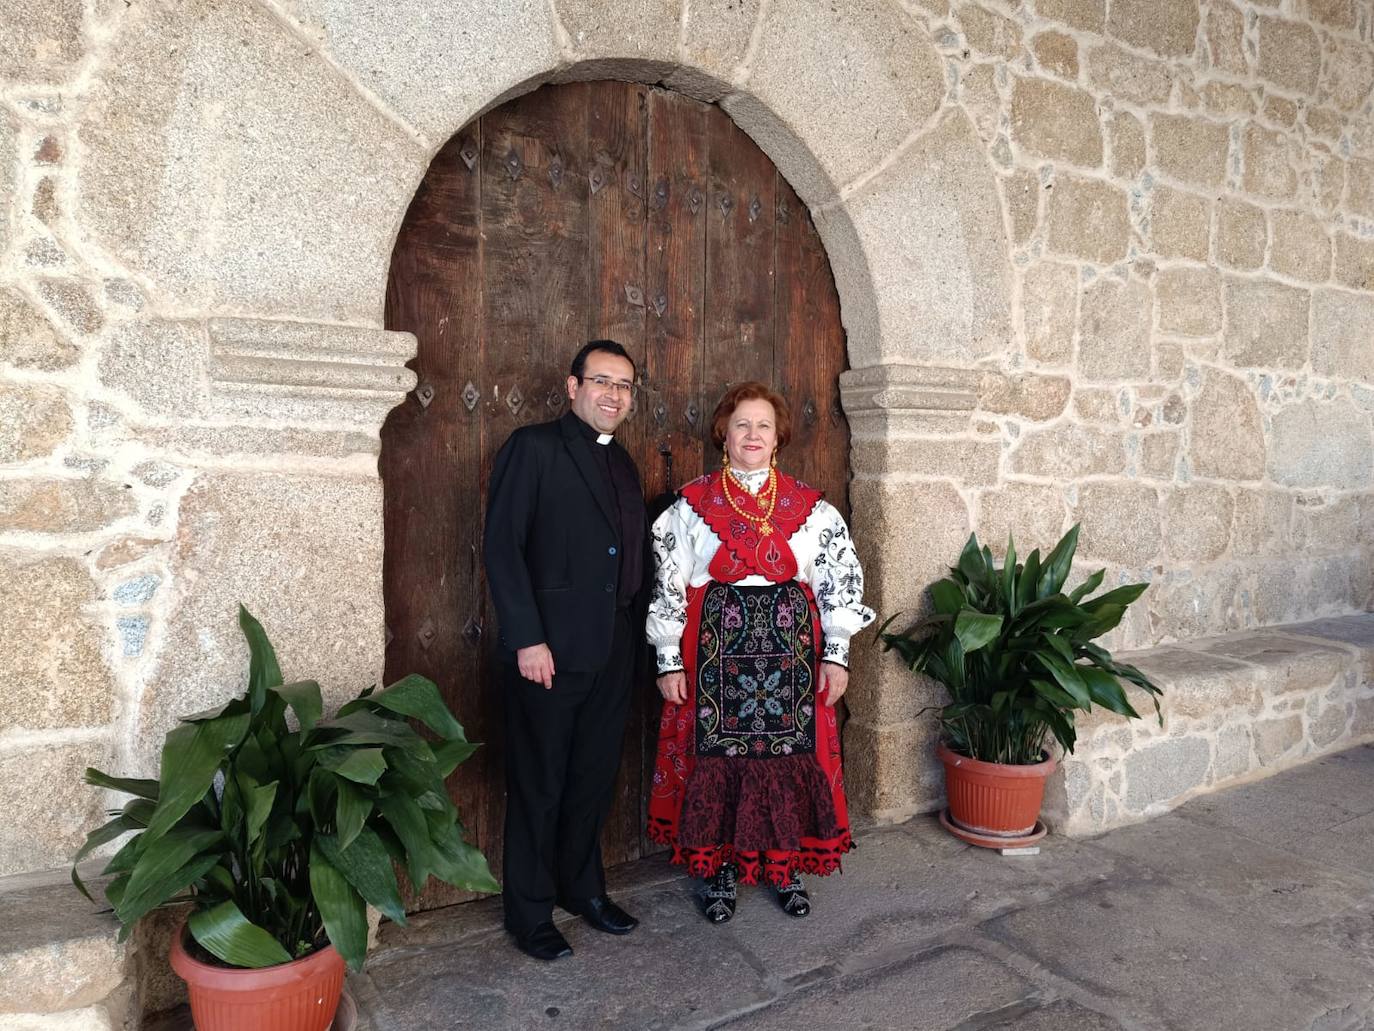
[793,897]
[719,896]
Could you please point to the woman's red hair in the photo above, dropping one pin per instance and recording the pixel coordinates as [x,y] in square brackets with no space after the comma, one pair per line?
[751,390]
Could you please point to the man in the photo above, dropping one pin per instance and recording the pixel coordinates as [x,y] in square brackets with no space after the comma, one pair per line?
[565,556]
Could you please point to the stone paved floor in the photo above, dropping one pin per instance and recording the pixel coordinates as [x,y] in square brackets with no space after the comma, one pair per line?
[1250,909]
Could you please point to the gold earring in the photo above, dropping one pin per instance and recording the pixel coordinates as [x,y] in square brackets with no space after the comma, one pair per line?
[773,459]
[725,458]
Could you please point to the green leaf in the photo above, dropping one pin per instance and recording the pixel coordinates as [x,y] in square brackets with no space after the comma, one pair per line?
[419,698]
[971,560]
[128,785]
[107,832]
[1066,675]
[304,699]
[976,629]
[1106,691]
[451,753]
[1030,576]
[1086,588]
[341,907]
[367,866]
[1122,596]
[1057,564]
[225,932]
[1053,693]
[263,670]
[365,728]
[1009,578]
[154,893]
[408,821]
[257,804]
[363,765]
[1060,645]
[191,754]
[351,812]
[947,595]
[464,866]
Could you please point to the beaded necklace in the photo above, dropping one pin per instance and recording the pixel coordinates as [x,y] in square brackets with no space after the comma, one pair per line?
[769,492]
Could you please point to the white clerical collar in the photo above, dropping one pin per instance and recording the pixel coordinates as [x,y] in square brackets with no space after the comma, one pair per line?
[604,438]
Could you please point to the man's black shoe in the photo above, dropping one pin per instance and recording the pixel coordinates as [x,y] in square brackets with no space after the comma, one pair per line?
[543,942]
[603,914]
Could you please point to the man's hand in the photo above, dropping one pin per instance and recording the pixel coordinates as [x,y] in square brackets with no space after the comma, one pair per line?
[673,687]
[834,680]
[536,663]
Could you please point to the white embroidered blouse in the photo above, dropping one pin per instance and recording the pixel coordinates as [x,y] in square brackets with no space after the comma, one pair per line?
[684,546]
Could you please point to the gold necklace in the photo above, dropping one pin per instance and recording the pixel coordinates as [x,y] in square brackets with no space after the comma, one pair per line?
[771,492]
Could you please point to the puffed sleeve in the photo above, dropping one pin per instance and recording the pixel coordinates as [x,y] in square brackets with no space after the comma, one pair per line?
[837,580]
[672,547]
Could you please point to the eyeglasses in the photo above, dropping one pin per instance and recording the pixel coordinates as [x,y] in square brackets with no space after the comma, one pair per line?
[619,386]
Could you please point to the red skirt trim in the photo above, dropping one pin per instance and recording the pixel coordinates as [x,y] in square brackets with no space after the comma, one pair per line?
[817,852]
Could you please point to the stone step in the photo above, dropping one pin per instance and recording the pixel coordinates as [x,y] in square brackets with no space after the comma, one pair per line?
[1235,708]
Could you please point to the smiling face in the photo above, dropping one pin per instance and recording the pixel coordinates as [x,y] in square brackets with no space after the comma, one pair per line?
[602,408]
[751,435]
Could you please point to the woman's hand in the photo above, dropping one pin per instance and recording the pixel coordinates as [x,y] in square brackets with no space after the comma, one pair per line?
[834,680]
[673,687]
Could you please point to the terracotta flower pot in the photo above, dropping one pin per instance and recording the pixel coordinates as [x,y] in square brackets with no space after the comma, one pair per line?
[298,996]
[990,801]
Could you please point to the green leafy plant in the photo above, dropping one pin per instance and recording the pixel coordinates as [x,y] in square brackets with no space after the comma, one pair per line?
[1016,654]
[280,837]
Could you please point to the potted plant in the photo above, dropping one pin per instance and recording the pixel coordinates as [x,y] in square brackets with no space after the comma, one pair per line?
[280,837]
[1016,655]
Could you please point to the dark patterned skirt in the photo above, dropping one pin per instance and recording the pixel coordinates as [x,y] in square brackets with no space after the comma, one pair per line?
[748,768]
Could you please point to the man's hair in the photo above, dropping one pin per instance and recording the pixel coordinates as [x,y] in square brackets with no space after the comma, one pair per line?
[579,362]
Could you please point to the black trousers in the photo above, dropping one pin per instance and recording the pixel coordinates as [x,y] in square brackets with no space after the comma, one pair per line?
[563,749]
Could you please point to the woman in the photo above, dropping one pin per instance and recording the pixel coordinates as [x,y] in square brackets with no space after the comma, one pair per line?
[757,590]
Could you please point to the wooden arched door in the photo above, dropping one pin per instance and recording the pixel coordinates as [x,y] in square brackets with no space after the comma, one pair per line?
[590,210]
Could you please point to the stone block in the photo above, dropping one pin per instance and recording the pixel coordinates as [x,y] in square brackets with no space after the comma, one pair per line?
[1134,79]
[71,299]
[1049,300]
[1347,74]
[1185,604]
[1290,54]
[1339,14]
[1302,248]
[1021,194]
[1114,334]
[980,98]
[892,769]
[44,505]
[1088,15]
[1280,110]
[1032,514]
[1266,324]
[715,38]
[1026,395]
[1159,772]
[1268,164]
[1277,739]
[1120,522]
[1189,149]
[1321,445]
[646,30]
[1057,52]
[1226,39]
[125,551]
[1342,328]
[1055,121]
[1166,27]
[34,420]
[970,462]
[42,41]
[1262,522]
[1227,438]
[933,218]
[808,59]
[1288,665]
[28,339]
[902,565]
[1197,685]
[1359,196]
[53,656]
[1095,404]
[1228,100]
[1158,458]
[237,201]
[48,809]
[1087,218]
[988,32]
[304,554]
[1197,523]
[1180,224]
[1354,263]
[1126,136]
[1242,234]
[1189,301]
[9,165]
[1329,726]
[1067,451]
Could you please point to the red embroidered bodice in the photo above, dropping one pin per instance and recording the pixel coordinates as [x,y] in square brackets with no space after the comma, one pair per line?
[744,550]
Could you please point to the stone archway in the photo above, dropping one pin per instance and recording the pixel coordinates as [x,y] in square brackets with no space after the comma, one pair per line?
[286,140]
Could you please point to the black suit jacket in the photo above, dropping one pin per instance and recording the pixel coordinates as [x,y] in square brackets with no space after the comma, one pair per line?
[551,545]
